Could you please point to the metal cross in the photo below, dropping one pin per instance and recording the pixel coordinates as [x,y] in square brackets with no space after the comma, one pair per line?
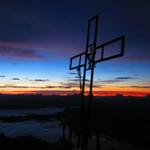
[88,64]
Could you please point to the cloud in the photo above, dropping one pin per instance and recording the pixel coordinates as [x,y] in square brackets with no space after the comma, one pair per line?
[96,86]
[2,76]
[124,78]
[19,52]
[75,84]
[15,79]
[137,58]
[78,79]
[13,86]
[144,87]
[20,87]
[70,84]
[40,80]
[72,73]
[116,80]
[50,87]
[59,86]
[109,81]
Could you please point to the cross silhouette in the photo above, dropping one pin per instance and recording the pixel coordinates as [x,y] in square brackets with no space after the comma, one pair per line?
[89,61]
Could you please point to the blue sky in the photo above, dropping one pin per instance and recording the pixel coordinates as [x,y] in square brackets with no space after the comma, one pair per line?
[38,37]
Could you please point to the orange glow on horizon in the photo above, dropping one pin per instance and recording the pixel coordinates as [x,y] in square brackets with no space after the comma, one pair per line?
[107,90]
[65,93]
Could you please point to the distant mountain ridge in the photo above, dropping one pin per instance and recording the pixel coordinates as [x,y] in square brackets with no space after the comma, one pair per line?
[39,101]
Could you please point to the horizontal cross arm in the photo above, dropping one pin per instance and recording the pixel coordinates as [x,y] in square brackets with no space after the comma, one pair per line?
[79,55]
[80,58]
[77,58]
[110,42]
[108,58]
[76,67]
[102,47]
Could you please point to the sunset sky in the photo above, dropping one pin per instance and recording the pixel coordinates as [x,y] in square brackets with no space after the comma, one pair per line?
[38,37]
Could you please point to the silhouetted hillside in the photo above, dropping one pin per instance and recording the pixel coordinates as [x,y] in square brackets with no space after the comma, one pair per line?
[37,101]
[125,118]
[28,143]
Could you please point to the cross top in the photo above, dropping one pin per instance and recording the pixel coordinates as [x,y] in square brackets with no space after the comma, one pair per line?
[92,48]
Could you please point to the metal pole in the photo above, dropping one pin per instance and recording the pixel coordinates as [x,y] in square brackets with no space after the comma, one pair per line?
[91,83]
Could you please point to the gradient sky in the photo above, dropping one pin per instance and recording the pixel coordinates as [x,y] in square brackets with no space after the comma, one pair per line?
[38,37]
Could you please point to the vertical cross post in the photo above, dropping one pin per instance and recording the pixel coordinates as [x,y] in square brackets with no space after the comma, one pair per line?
[90,51]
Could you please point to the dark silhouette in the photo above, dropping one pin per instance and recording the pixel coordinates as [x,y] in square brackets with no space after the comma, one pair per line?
[27,143]
[89,64]
[37,101]
[124,118]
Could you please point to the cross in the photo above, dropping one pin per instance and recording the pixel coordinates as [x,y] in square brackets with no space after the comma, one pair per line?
[89,63]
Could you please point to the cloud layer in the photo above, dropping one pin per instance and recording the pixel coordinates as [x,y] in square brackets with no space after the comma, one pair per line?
[15,79]
[141,87]
[116,80]
[40,80]
[2,76]
[19,52]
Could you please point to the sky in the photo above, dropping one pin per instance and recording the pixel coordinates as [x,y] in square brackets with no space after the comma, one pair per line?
[38,37]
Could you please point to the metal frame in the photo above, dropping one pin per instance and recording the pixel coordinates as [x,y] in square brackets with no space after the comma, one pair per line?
[89,65]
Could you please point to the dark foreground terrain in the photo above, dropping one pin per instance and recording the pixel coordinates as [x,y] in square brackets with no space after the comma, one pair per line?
[124,118]
[30,143]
